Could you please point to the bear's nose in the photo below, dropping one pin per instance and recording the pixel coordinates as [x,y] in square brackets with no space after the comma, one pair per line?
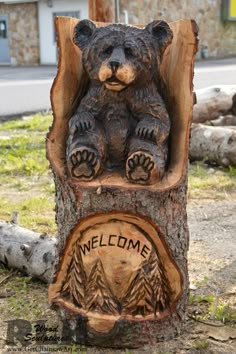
[114,64]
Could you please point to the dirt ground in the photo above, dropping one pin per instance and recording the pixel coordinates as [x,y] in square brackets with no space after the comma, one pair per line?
[212,254]
[212,269]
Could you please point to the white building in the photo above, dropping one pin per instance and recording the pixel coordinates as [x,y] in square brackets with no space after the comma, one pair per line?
[47,11]
[27,31]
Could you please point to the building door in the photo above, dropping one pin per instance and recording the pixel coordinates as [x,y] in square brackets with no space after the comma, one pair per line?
[4,43]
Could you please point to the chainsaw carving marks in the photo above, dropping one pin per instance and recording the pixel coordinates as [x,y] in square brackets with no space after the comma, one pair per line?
[117,265]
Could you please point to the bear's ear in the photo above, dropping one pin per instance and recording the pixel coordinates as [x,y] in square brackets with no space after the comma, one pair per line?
[83,32]
[162,34]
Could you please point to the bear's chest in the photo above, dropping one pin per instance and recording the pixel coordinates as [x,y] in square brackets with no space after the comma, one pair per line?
[118,124]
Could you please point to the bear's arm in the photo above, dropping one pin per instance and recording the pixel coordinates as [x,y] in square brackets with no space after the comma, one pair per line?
[150,111]
[86,113]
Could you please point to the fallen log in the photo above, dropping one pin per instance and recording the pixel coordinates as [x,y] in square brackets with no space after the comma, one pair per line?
[228,120]
[30,252]
[216,144]
[213,102]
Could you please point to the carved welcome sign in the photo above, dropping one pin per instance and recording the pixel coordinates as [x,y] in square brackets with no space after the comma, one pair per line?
[116,265]
[120,175]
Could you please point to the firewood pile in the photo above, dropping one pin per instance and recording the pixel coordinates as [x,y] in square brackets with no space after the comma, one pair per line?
[213,133]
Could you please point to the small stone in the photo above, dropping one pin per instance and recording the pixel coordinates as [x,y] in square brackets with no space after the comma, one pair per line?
[192,287]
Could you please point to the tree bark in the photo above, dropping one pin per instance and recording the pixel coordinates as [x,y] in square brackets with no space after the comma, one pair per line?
[213,102]
[122,279]
[215,144]
[30,252]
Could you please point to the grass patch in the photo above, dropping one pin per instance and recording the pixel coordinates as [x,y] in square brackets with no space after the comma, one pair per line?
[35,213]
[208,182]
[224,313]
[208,307]
[22,144]
[197,299]
[201,344]
[232,171]
[17,304]
[39,123]
[24,303]
[23,156]
[26,185]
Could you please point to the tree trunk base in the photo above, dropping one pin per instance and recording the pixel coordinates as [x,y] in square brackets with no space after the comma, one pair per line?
[124,334]
[123,280]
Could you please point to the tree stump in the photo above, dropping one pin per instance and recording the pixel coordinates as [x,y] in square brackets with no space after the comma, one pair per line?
[122,277]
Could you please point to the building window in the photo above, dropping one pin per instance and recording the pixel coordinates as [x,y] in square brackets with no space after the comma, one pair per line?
[75,14]
[3,29]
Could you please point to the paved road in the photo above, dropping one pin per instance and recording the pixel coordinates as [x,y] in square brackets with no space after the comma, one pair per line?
[25,90]
[28,89]
[215,72]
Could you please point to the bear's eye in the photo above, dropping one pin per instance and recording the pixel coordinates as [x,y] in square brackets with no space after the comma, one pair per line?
[108,50]
[129,52]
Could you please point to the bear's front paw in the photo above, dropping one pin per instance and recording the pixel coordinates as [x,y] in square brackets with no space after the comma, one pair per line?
[84,163]
[147,129]
[141,168]
[81,123]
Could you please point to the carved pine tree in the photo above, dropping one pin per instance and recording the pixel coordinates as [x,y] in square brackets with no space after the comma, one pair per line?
[138,299]
[98,295]
[77,279]
[160,288]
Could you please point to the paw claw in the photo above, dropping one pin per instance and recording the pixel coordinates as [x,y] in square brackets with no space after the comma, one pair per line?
[136,159]
[150,166]
[131,163]
[84,155]
[94,158]
[90,156]
[78,156]
[146,162]
[141,159]
[73,159]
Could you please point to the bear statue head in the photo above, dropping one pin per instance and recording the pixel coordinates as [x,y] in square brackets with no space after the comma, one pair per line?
[119,55]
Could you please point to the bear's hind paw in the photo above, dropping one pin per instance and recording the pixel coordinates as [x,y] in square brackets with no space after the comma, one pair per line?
[141,168]
[84,163]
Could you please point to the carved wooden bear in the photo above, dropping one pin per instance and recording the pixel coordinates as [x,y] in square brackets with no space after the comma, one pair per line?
[122,121]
